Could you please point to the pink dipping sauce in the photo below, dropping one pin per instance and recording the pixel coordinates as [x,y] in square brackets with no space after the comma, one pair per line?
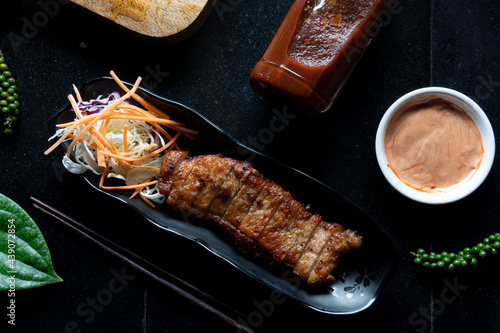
[432,144]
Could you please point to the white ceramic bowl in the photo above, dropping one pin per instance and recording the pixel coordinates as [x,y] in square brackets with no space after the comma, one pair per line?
[463,188]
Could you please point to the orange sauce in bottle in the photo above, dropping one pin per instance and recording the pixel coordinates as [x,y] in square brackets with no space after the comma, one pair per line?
[314,50]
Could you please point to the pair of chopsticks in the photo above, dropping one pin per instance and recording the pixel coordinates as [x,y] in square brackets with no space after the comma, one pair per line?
[172,282]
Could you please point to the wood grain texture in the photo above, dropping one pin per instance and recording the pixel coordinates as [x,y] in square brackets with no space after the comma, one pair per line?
[159,19]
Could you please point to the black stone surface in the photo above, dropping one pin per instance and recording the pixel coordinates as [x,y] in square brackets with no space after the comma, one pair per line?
[446,43]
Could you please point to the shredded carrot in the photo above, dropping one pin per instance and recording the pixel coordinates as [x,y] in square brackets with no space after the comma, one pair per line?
[147,167]
[150,119]
[150,107]
[137,110]
[103,176]
[139,150]
[86,142]
[146,200]
[139,158]
[100,141]
[104,126]
[75,106]
[113,160]
[139,189]
[125,133]
[92,131]
[61,139]
[77,93]
[107,109]
[129,187]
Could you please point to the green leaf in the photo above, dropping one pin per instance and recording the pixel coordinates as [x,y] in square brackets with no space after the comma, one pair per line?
[24,255]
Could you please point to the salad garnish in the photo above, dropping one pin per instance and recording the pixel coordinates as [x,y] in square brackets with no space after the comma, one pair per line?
[114,138]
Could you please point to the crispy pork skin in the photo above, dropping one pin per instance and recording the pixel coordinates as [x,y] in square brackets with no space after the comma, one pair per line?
[262,218]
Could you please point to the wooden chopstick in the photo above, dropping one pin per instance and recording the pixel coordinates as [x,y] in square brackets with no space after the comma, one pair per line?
[172,282]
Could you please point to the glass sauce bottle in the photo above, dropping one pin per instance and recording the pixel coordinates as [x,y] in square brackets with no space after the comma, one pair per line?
[314,50]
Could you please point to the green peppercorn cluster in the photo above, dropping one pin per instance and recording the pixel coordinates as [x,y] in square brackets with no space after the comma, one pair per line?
[9,104]
[468,256]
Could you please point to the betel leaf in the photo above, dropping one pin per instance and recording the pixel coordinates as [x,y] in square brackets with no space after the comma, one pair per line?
[24,254]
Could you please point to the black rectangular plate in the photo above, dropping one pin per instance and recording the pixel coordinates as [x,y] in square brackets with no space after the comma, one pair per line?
[363,273]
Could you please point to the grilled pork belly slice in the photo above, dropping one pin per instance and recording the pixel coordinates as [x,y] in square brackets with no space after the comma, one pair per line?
[226,194]
[178,179]
[340,242]
[212,185]
[169,167]
[315,244]
[303,230]
[242,202]
[273,238]
[286,239]
[195,181]
[262,210]
[261,216]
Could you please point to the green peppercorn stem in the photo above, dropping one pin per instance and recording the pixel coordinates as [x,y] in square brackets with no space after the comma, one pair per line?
[467,257]
[9,99]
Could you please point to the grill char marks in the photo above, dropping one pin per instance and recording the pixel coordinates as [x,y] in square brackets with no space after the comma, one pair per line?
[251,185]
[303,230]
[262,210]
[261,216]
[213,184]
[341,242]
[226,194]
[195,181]
[286,239]
[315,244]
[272,240]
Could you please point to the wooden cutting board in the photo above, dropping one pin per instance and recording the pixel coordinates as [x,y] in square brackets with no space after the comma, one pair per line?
[166,20]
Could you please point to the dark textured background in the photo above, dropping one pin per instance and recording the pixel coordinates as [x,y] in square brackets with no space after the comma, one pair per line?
[446,43]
